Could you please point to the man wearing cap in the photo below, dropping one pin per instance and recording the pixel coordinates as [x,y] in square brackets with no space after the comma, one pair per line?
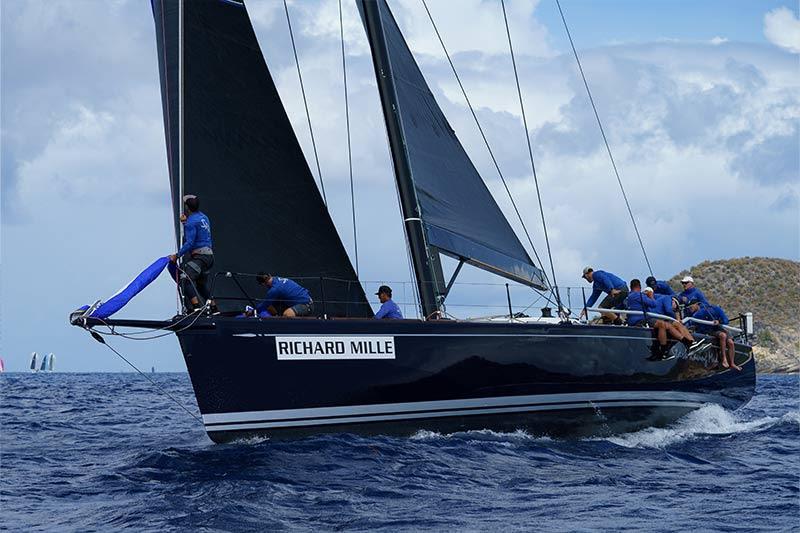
[197,253]
[665,305]
[389,309]
[658,286]
[690,292]
[607,282]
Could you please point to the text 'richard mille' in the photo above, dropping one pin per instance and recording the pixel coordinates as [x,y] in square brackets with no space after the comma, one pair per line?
[320,348]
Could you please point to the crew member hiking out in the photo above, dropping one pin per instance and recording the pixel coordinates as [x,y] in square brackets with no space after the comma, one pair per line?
[613,286]
[389,309]
[690,292]
[284,298]
[196,253]
[715,314]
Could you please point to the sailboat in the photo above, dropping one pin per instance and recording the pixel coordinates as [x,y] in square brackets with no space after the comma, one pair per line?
[51,361]
[34,356]
[229,141]
[44,363]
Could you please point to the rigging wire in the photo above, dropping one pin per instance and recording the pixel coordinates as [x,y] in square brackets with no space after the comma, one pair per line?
[305,102]
[158,387]
[605,140]
[349,149]
[530,155]
[483,135]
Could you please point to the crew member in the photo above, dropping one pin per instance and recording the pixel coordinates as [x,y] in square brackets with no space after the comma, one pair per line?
[690,292]
[284,298]
[639,301]
[389,309]
[665,306]
[197,253]
[612,285]
[715,314]
[658,286]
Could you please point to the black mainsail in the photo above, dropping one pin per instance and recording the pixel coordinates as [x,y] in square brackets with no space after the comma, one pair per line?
[230,141]
[447,206]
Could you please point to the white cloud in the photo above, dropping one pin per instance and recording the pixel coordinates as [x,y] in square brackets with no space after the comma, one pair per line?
[97,154]
[782,28]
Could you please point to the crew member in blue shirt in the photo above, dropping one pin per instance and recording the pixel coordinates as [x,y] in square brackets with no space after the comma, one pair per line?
[659,287]
[612,285]
[389,309]
[690,292]
[197,253]
[666,305]
[284,297]
[715,314]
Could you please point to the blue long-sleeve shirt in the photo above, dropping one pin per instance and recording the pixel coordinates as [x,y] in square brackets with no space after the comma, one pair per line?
[389,310]
[694,293]
[196,233]
[639,301]
[603,282]
[711,313]
[286,292]
[664,305]
[662,287]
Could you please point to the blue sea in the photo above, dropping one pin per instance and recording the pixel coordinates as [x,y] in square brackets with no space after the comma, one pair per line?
[105,452]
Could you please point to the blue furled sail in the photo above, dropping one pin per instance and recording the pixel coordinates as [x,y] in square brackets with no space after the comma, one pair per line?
[126,293]
[458,213]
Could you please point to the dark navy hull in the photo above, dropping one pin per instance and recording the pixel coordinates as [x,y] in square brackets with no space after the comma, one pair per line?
[560,380]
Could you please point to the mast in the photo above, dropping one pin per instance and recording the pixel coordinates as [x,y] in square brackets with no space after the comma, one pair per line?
[425,259]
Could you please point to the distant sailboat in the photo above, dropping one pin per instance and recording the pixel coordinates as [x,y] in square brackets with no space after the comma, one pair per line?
[33,361]
[2,366]
[44,364]
[51,362]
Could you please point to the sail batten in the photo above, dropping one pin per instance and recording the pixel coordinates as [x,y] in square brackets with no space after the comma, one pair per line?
[234,147]
[460,218]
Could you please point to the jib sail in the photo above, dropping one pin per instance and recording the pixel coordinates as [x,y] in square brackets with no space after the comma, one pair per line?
[456,211]
[230,142]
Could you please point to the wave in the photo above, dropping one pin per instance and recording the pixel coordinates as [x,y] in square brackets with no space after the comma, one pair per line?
[710,420]
[479,435]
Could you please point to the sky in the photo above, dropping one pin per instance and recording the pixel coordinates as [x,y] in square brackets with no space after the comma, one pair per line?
[700,101]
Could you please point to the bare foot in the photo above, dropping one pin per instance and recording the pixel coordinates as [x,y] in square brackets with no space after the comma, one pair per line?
[737,368]
[725,364]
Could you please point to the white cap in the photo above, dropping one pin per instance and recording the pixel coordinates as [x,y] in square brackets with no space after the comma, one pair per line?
[586,270]
[687,279]
[647,289]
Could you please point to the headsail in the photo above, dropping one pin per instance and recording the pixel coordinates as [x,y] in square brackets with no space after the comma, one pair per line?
[458,213]
[230,142]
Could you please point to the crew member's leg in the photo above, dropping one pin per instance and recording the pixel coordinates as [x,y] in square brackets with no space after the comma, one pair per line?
[723,348]
[608,303]
[732,354]
[192,270]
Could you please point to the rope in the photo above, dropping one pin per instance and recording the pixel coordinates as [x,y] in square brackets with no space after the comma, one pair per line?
[530,155]
[483,135]
[349,150]
[605,140]
[160,389]
[305,102]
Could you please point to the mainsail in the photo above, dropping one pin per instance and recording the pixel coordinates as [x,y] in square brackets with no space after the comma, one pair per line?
[230,142]
[457,212]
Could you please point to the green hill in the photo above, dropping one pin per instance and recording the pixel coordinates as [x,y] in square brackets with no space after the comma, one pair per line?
[770,289]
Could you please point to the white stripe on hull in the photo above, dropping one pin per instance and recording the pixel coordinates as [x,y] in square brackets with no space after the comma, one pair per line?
[442,414]
[448,407]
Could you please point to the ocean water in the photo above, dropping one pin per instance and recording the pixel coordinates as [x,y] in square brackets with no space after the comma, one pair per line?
[105,452]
